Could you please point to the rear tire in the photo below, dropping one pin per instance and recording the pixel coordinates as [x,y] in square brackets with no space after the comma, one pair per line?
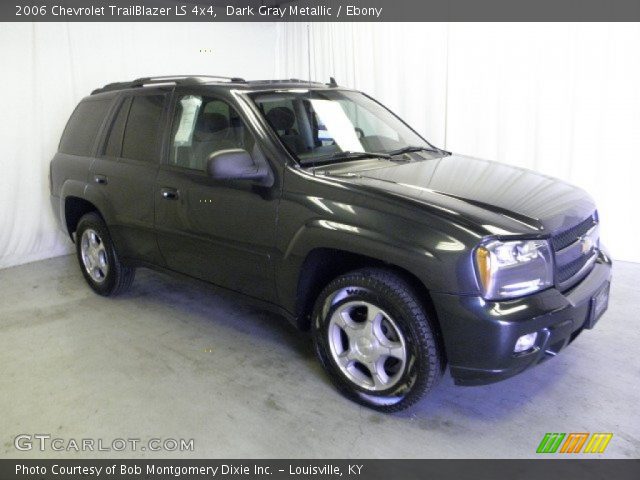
[98,259]
[375,340]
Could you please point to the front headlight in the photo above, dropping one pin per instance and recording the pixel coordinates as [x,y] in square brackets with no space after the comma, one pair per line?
[508,269]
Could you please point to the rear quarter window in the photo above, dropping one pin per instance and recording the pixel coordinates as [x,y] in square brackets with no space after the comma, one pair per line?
[81,131]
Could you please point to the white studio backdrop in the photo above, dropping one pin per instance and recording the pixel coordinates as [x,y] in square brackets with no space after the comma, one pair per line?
[562,99]
[48,67]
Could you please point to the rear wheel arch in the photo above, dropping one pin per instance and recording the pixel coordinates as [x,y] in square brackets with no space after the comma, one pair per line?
[74,209]
[98,259]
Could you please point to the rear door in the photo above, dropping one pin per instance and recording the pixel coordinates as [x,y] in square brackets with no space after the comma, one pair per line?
[219,231]
[126,169]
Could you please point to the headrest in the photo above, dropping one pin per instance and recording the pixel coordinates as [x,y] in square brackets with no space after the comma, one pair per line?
[281,118]
[211,122]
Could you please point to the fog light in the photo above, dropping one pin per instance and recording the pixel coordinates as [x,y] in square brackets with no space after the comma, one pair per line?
[525,342]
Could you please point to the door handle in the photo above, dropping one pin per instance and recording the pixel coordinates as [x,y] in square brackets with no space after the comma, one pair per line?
[169,193]
[100,179]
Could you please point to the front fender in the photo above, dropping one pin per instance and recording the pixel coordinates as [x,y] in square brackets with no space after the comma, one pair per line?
[324,233]
[423,262]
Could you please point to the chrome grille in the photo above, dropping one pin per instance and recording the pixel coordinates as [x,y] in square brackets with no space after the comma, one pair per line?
[565,272]
[566,238]
[575,250]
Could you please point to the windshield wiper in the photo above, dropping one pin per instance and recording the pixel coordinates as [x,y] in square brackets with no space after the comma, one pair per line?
[411,148]
[349,155]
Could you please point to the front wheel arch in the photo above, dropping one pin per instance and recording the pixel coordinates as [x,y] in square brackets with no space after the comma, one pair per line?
[322,265]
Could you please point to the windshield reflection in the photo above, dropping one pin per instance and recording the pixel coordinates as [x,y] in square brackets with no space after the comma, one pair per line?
[335,125]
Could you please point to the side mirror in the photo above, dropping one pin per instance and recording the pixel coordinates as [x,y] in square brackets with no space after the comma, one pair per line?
[234,164]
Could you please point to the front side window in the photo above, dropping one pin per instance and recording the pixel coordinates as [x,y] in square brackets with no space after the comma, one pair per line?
[142,134]
[319,125]
[203,126]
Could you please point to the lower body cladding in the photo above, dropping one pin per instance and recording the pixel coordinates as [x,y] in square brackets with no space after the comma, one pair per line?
[487,341]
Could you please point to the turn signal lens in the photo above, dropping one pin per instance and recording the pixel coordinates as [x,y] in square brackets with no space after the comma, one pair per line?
[483,260]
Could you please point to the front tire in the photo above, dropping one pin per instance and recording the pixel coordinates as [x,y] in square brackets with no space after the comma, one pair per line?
[375,340]
[98,259]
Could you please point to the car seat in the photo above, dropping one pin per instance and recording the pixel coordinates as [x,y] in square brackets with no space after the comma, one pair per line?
[282,120]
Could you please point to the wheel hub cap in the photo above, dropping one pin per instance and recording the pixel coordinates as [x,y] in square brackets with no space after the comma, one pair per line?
[365,347]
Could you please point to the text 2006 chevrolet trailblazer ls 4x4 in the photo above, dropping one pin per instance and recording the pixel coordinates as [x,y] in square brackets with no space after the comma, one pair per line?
[319,203]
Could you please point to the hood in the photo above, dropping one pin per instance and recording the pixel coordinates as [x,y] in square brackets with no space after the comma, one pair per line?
[501,198]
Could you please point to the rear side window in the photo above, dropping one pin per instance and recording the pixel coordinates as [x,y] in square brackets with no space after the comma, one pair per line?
[113,146]
[82,129]
[142,133]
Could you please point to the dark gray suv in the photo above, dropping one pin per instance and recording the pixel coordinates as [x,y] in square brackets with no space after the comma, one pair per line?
[317,202]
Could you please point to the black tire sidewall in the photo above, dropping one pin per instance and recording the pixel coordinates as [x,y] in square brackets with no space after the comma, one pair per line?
[415,378]
[93,221]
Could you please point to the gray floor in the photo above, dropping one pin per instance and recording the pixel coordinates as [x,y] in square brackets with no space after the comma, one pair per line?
[172,359]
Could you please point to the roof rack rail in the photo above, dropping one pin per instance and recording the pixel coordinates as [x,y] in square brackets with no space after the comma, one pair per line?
[175,79]
[285,80]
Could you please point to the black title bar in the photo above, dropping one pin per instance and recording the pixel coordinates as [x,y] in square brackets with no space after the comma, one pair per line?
[548,469]
[318,10]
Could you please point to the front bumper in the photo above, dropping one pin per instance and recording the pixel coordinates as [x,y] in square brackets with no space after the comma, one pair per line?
[480,335]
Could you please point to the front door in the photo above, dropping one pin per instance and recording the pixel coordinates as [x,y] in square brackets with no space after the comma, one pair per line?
[219,231]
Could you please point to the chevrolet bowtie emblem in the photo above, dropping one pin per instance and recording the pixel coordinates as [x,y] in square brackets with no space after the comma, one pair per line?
[586,244]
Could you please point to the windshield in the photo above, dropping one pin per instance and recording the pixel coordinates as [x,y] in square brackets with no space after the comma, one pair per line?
[332,125]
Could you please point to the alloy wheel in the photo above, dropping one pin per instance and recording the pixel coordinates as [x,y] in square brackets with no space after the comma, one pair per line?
[367,345]
[94,255]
